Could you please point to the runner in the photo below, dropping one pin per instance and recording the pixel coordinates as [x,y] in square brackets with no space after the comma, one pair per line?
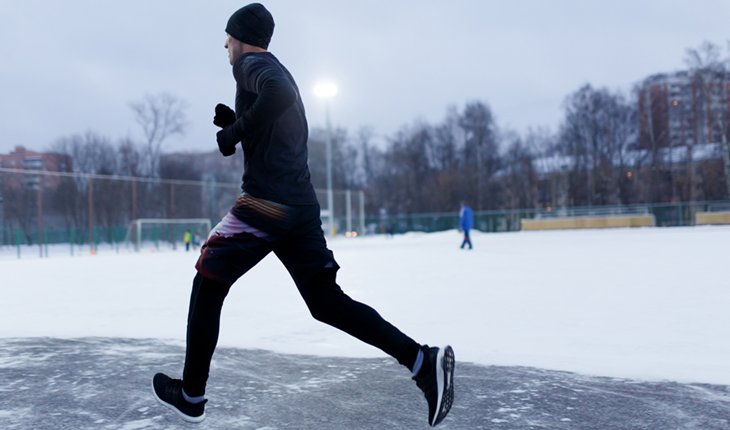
[278,212]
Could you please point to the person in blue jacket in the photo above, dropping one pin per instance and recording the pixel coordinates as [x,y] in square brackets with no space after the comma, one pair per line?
[466,223]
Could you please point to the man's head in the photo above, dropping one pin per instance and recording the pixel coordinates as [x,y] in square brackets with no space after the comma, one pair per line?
[250,25]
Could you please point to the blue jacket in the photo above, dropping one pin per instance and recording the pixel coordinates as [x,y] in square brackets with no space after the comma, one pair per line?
[466,218]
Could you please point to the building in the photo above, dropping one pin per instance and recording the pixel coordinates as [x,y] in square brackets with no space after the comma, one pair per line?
[24,159]
[676,109]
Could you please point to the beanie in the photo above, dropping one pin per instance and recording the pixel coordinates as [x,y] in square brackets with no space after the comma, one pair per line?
[252,24]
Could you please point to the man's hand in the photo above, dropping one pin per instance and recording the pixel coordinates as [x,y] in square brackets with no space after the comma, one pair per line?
[227,141]
[224,116]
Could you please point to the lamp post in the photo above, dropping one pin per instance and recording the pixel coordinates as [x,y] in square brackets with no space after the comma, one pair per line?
[327,90]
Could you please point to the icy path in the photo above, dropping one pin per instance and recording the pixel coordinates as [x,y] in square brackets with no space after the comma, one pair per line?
[97,383]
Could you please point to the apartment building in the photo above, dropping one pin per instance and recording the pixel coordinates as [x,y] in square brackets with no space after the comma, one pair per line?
[676,109]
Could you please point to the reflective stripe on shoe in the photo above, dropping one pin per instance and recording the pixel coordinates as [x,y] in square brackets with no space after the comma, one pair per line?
[445,379]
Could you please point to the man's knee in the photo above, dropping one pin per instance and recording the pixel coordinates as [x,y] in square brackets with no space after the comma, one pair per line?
[323,296]
[209,288]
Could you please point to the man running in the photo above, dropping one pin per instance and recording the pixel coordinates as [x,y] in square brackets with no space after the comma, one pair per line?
[278,212]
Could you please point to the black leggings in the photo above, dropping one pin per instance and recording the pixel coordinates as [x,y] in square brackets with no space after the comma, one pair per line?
[325,301]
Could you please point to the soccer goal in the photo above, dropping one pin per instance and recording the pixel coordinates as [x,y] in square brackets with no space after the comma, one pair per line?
[166,230]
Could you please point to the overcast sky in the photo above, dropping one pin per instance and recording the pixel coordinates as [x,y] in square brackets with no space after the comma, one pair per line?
[71,66]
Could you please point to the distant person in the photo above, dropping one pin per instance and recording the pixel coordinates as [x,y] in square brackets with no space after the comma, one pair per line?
[196,240]
[278,212]
[466,223]
[187,239]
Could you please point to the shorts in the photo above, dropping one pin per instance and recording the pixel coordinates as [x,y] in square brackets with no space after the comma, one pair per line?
[255,227]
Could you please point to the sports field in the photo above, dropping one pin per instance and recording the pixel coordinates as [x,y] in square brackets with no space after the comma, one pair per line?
[648,304]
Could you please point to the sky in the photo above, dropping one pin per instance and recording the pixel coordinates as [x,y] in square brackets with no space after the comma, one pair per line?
[73,66]
[642,303]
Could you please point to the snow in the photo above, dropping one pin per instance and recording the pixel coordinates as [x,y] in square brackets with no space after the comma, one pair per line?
[650,304]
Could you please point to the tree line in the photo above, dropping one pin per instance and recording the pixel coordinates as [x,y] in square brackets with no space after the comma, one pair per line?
[600,154]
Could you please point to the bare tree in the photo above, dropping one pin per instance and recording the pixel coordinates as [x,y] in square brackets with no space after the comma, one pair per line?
[621,131]
[549,165]
[130,158]
[578,135]
[598,128]
[372,162]
[520,185]
[409,176]
[449,161]
[20,202]
[160,116]
[711,74]
[91,152]
[478,124]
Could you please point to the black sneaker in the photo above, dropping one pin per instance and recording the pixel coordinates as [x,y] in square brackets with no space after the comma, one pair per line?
[436,380]
[168,392]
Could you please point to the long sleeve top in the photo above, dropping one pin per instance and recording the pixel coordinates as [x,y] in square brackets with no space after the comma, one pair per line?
[272,125]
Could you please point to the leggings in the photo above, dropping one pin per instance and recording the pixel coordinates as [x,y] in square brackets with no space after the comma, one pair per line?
[326,302]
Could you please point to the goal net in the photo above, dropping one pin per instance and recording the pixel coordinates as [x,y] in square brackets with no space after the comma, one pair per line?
[154,231]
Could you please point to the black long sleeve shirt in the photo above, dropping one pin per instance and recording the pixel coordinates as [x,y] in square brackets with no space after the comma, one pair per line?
[271,122]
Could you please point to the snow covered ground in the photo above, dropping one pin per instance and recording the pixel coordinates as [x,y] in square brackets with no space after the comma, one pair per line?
[651,304]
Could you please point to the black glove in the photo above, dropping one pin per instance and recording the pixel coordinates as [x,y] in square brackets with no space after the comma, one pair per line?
[227,141]
[224,116]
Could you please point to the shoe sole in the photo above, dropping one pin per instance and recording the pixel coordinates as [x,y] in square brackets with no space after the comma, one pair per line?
[185,417]
[445,381]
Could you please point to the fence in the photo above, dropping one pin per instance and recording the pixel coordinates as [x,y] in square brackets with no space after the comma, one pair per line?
[41,207]
[666,214]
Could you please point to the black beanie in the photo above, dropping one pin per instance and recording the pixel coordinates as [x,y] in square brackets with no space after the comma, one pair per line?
[252,24]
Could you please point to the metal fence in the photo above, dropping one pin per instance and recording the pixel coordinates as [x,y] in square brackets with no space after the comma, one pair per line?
[91,210]
[42,208]
[666,214]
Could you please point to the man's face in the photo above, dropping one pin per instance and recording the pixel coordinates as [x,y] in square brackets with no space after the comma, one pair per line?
[234,47]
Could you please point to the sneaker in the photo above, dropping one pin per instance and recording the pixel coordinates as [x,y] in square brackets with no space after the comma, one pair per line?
[168,392]
[436,380]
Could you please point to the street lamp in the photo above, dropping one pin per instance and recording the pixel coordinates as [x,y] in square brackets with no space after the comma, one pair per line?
[327,90]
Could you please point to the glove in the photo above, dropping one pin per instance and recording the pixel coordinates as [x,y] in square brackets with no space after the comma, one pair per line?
[227,141]
[224,116]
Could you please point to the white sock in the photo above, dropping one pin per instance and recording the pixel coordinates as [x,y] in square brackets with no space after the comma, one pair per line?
[418,363]
[192,399]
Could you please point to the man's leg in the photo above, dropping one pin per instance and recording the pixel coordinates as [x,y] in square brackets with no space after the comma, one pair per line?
[312,265]
[231,250]
[185,397]
[330,305]
[314,270]
[206,302]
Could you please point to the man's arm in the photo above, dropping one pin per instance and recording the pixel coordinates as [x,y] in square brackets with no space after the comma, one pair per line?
[275,92]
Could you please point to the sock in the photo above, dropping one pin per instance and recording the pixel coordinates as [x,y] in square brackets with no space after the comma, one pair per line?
[418,363]
[193,400]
